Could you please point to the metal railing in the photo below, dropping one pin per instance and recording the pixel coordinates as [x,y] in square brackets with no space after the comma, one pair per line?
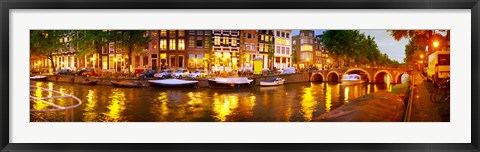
[409,99]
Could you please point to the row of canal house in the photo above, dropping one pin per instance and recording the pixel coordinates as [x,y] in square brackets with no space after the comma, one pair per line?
[186,49]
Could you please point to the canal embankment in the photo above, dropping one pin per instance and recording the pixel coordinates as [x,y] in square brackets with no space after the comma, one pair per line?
[382,106]
[202,82]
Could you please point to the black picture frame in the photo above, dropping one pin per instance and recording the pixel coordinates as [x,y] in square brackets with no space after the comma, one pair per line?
[7,5]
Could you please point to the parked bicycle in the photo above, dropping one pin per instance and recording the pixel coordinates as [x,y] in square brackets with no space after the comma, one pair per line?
[441,92]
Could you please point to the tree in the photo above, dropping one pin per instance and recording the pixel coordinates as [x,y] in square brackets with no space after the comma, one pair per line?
[423,38]
[46,43]
[270,54]
[89,42]
[209,53]
[131,41]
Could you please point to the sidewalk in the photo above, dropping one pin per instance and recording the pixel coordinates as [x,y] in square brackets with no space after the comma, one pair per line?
[423,110]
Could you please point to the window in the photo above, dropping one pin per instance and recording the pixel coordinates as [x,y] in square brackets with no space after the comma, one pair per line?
[112,62]
[287,35]
[287,42]
[249,36]
[104,62]
[172,33]
[199,32]
[306,48]
[199,62]
[260,47]
[246,47]
[294,42]
[302,34]
[145,60]
[266,48]
[180,61]
[104,50]
[181,33]
[225,40]
[252,46]
[154,33]
[191,32]
[172,61]
[191,60]
[262,37]
[163,44]
[283,34]
[154,44]
[163,33]
[288,50]
[283,41]
[181,44]
[154,56]
[191,41]
[206,43]
[234,41]
[277,50]
[208,33]
[217,40]
[267,38]
[199,42]
[137,61]
[278,40]
[283,50]
[172,44]
[111,47]
[310,34]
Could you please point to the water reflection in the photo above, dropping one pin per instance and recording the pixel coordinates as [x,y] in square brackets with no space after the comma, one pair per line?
[290,102]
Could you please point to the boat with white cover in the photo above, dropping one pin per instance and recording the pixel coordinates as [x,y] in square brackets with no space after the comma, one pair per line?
[272,82]
[240,82]
[173,83]
[39,78]
[351,79]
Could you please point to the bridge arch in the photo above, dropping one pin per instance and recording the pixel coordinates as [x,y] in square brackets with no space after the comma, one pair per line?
[352,70]
[398,78]
[317,77]
[333,76]
[380,76]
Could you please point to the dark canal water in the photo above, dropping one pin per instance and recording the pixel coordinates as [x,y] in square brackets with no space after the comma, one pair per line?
[290,102]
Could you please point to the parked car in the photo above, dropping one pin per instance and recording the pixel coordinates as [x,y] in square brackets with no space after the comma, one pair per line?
[164,74]
[180,74]
[36,71]
[79,72]
[64,72]
[148,74]
[90,72]
[197,74]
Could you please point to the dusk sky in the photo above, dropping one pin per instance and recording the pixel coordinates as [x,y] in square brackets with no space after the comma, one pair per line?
[386,44]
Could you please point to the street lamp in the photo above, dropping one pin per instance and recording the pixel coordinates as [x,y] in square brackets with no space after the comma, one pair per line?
[435,44]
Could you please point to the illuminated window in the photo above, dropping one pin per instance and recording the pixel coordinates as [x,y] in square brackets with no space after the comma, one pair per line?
[154,44]
[225,40]
[262,37]
[283,41]
[277,40]
[172,33]
[181,33]
[287,42]
[267,38]
[260,47]
[266,48]
[191,41]
[306,48]
[104,62]
[181,44]
[206,43]
[154,33]
[163,33]
[234,41]
[163,44]
[172,44]
[217,40]
[111,47]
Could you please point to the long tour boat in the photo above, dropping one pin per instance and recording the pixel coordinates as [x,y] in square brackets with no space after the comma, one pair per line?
[241,82]
[351,79]
[173,83]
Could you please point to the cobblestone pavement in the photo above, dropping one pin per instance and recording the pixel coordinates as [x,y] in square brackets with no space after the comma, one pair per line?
[424,110]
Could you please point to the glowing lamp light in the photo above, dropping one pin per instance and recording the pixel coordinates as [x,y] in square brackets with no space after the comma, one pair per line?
[436,43]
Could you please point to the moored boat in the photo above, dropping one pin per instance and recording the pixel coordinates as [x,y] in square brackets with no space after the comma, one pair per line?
[351,79]
[173,83]
[88,82]
[272,82]
[126,84]
[241,82]
[39,78]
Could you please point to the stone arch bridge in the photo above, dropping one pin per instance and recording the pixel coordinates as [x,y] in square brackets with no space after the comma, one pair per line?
[373,75]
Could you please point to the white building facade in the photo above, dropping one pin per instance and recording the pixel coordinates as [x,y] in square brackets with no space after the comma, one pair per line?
[283,49]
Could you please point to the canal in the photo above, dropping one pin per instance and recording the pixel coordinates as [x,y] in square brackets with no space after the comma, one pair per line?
[287,103]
